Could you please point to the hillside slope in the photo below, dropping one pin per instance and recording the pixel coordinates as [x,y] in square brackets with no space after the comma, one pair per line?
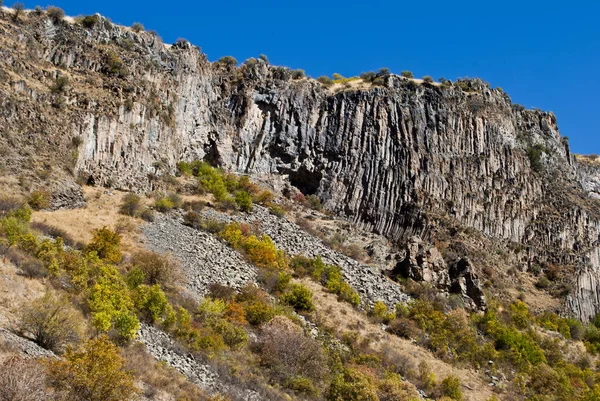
[203,219]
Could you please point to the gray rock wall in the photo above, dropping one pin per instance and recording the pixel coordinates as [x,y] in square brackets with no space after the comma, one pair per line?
[387,158]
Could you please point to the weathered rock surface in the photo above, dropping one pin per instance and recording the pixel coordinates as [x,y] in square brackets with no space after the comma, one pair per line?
[423,263]
[205,259]
[387,158]
[370,283]
[24,346]
[465,281]
[161,346]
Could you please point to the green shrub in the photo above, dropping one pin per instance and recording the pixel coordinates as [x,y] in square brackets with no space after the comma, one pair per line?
[451,387]
[407,74]
[244,201]
[39,200]
[208,341]
[325,80]
[135,277]
[51,322]
[131,205]
[264,58]
[576,329]
[151,302]
[543,282]
[164,205]
[56,14]
[380,312]
[107,245]
[300,298]
[137,27]
[301,384]
[89,21]
[534,153]
[259,313]
[111,304]
[314,202]
[211,309]
[519,315]
[276,210]
[60,84]
[352,385]
[228,61]
[211,180]
[113,65]
[233,335]
[428,79]
[184,168]
[347,294]
[94,372]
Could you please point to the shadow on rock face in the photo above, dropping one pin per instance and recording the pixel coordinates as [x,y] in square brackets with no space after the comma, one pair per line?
[424,263]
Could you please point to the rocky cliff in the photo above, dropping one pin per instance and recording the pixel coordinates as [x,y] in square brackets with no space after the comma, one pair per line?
[398,158]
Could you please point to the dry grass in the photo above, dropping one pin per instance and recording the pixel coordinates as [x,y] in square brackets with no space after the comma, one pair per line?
[343,318]
[14,289]
[593,160]
[102,210]
[159,381]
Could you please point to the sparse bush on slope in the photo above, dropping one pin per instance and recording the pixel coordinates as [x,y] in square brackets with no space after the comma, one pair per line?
[51,322]
[93,372]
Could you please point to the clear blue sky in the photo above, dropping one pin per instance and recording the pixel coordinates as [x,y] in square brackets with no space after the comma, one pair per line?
[545,54]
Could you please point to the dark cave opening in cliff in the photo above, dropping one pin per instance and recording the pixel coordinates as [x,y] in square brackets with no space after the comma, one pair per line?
[306,181]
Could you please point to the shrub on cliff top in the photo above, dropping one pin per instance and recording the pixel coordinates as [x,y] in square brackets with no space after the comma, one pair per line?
[137,27]
[298,74]
[407,74]
[228,61]
[56,14]
[368,76]
[325,80]
[18,10]
[89,21]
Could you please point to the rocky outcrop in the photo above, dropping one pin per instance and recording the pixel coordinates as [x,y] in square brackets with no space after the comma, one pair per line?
[424,263]
[25,347]
[389,158]
[67,195]
[464,281]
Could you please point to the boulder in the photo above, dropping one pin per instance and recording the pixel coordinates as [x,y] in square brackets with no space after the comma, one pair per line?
[423,263]
[464,281]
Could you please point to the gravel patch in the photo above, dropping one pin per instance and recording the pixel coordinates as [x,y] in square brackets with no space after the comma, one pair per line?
[205,259]
[369,282]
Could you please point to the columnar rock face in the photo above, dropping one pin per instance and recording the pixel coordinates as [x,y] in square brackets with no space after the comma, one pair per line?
[389,158]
